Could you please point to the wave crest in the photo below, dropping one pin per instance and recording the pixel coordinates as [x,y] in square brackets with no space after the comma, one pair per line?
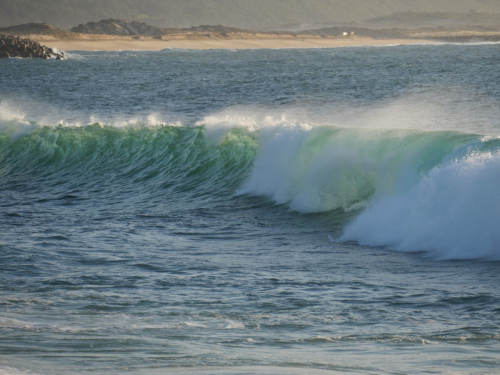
[411,190]
[453,213]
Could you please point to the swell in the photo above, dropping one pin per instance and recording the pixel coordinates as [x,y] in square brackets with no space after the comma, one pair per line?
[407,190]
[140,158]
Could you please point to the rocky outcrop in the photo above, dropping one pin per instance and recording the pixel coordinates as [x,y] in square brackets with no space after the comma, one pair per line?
[118,27]
[11,46]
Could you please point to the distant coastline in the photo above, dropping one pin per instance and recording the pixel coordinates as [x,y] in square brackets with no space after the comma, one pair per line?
[119,35]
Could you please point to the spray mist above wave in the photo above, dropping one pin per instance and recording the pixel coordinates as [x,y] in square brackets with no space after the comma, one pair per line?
[415,190]
[327,168]
[17,120]
[13,123]
[173,161]
[412,190]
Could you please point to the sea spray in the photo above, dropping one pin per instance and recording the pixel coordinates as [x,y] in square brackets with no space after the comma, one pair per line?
[327,168]
[416,191]
[139,214]
[413,190]
[453,212]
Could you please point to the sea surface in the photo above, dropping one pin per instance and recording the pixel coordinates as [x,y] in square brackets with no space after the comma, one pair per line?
[316,211]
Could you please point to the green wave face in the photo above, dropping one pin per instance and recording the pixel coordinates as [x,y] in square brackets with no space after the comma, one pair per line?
[330,168]
[311,169]
[393,178]
[159,157]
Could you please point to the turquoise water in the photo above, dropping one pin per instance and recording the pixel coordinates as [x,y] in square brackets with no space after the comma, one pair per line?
[251,212]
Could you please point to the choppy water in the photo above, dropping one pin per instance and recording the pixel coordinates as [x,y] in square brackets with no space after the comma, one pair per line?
[236,212]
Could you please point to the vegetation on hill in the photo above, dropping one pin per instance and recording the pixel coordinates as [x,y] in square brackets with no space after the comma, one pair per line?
[422,18]
[128,28]
[239,13]
[32,28]
[117,27]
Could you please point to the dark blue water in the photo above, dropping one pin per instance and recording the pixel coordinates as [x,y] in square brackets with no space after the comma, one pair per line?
[270,212]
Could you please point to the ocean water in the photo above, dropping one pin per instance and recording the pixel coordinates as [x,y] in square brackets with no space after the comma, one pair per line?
[312,211]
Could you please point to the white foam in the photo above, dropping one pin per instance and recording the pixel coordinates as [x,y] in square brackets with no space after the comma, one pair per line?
[249,119]
[14,323]
[13,122]
[234,325]
[326,168]
[453,212]
[9,370]
[194,325]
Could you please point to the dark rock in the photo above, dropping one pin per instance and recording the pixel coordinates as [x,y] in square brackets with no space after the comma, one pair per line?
[18,47]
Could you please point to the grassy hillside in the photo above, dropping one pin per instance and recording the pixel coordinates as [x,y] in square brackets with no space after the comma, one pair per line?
[239,13]
[422,18]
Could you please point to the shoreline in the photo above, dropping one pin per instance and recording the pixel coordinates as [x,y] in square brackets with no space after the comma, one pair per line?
[129,44]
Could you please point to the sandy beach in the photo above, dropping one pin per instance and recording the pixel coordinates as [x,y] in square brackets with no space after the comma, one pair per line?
[130,44]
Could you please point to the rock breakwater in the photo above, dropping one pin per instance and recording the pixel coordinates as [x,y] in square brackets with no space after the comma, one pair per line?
[11,46]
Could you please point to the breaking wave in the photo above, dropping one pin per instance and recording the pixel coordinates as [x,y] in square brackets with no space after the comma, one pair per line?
[408,190]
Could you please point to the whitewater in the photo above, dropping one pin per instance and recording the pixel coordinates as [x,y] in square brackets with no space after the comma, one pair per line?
[289,211]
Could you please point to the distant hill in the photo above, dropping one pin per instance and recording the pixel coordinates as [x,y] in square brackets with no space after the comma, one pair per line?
[437,18]
[117,27]
[250,14]
[33,28]
[129,28]
[112,29]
